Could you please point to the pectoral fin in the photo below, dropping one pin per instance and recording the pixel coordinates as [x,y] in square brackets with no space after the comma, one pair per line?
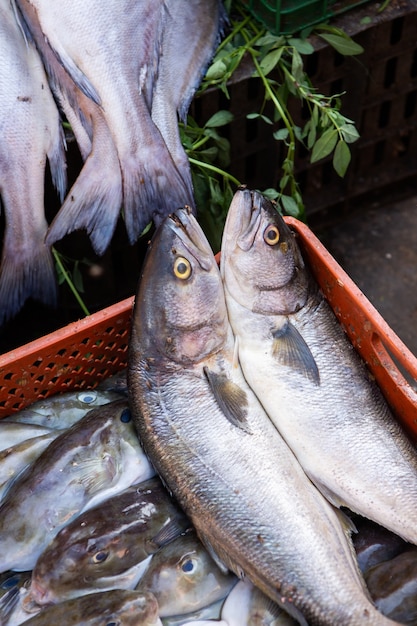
[171,530]
[290,349]
[231,399]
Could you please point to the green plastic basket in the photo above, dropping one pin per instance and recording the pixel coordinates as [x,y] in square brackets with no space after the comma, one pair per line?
[285,17]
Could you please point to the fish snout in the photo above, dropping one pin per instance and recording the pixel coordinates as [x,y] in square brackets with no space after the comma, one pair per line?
[37,596]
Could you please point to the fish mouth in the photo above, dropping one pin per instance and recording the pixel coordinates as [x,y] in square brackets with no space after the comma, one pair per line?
[244,218]
[186,227]
[37,597]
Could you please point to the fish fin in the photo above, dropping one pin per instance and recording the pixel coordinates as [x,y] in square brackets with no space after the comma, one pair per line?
[170,531]
[8,603]
[231,399]
[330,495]
[77,75]
[94,474]
[290,349]
[58,164]
[235,362]
[22,277]
[93,203]
[213,554]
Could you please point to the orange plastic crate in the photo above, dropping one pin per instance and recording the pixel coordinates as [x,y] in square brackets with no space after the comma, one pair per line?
[84,352]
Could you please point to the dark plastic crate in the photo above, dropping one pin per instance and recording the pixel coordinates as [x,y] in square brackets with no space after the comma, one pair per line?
[289,16]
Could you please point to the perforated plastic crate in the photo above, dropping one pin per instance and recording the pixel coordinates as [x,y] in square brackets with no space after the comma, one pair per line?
[84,352]
[289,16]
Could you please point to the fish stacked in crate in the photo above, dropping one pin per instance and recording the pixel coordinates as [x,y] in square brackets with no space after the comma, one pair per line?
[120,75]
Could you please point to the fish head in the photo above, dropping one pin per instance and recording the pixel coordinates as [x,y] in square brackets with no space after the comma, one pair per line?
[184,578]
[182,314]
[261,263]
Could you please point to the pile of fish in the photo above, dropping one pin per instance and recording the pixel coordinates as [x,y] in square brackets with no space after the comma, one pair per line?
[260,417]
[175,493]
[142,562]
[120,74]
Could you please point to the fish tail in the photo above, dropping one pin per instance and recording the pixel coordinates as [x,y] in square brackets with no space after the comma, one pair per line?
[22,278]
[93,203]
[153,192]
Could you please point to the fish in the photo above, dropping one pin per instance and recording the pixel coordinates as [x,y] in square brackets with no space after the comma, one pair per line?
[62,410]
[218,453]
[11,434]
[15,459]
[118,606]
[393,586]
[306,373]
[13,588]
[117,59]
[31,136]
[106,542]
[184,578]
[94,459]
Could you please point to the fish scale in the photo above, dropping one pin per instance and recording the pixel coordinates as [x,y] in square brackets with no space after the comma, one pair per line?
[336,422]
[208,437]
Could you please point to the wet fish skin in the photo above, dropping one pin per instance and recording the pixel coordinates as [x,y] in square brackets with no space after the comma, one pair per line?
[119,606]
[12,589]
[180,373]
[30,135]
[184,578]
[12,434]
[97,457]
[105,542]
[64,409]
[311,382]
[120,80]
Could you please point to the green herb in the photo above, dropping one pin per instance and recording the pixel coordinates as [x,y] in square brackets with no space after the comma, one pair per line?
[73,279]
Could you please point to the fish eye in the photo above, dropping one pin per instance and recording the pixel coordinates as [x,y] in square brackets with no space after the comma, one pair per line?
[182,268]
[125,416]
[189,565]
[100,556]
[87,397]
[271,235]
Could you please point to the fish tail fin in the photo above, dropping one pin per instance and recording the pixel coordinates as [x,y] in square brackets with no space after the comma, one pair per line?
[58,164]
[93,203]
[22,278]
[153,191]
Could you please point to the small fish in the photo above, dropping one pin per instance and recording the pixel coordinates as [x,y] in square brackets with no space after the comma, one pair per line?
[184,578]
[393,586]
[219,454]
[63,410]
[118,606]
[31,134]
[94,459]
[306,373]
[106,542]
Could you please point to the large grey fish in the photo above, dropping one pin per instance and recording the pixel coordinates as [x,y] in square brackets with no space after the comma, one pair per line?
[184,578]
[306,373]
[118,606]
[112,54]
[63,410]
[30,134]
[209,439]
[94,459]
[106,542]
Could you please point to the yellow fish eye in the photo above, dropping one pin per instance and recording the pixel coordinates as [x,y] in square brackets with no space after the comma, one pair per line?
[182,268]
[271,235]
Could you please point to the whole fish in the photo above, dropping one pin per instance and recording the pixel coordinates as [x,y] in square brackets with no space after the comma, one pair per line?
[219,454]
[63,410]
[112,55]
[106,542]
[30,134]
[184,578]
[94,459]
[306,373]
[393,586]
[118,606]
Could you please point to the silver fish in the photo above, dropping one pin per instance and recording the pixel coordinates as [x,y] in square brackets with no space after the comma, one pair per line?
[112,55]
[209,439]
[107,541]
[94,459]
[63,410]
[118,606]
[11,433]
[30,134]
[184,578]
[304,370]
